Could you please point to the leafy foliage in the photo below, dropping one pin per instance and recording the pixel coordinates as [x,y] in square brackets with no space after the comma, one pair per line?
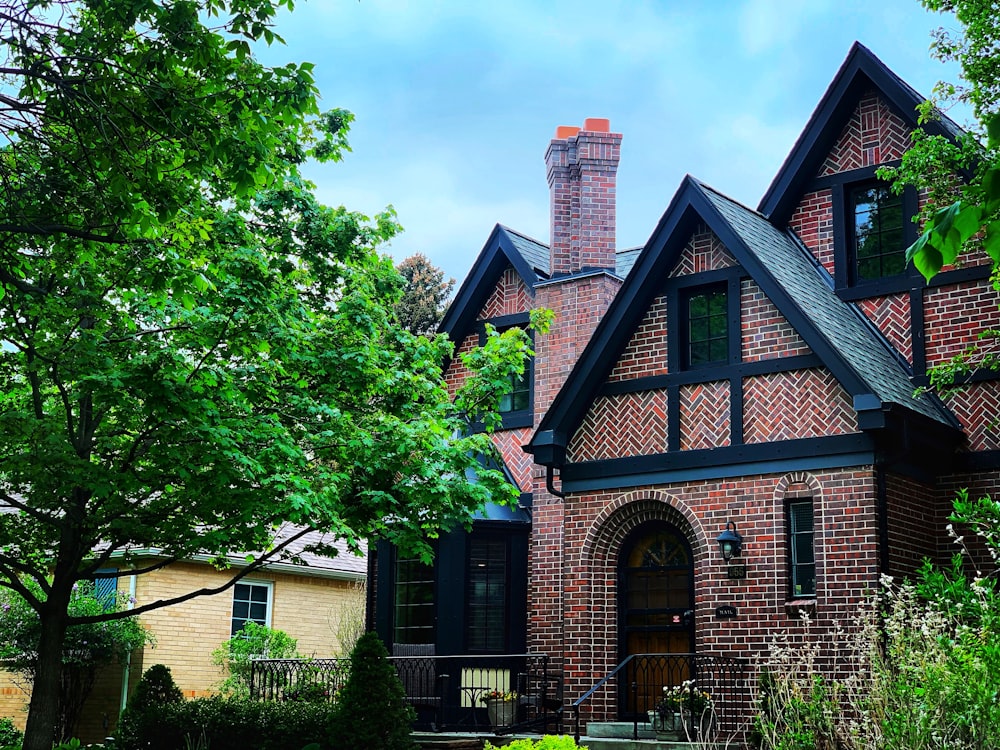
[917,669]
[547,742]
[232,724]
[89,647]
[965,216]
[425,295]
[252,642]
[155,690]
[372,704]
[195,355]
[10,736]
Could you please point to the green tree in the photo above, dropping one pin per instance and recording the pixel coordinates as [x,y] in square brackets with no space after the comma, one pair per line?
[964,215]
[425,295]
[88,648]
[196,356]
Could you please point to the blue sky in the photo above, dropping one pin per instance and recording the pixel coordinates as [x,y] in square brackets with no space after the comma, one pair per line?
[456,101]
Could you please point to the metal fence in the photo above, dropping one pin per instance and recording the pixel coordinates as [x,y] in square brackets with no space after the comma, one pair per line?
[297,679]
[637,684]
[447,692]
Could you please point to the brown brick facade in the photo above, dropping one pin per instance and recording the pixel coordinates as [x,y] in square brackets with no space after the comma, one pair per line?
[846,561]
[873,135]
[796,404]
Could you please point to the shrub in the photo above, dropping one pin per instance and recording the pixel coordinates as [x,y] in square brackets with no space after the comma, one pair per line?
[548,742]
[142,717]
[252,642]
[10,736]
[372,708]
[233,724]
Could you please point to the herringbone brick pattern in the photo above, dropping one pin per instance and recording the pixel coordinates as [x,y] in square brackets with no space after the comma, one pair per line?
[813,223]
[765,332]
[646,352]
[705,420]
[955,315]
[704,252]
[457,372]
[977,407]
[517,461]
[510,296]
[628,424]
[873,135]
[892,316]
[797,404]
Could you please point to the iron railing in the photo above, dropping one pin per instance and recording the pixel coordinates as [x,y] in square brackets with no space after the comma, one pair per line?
[447,692]
[297,679]
[635,686]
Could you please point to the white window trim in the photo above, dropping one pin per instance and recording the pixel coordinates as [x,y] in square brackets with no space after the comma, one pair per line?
[269,585]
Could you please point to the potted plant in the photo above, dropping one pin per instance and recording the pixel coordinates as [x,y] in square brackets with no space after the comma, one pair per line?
[501,707]
[684,712]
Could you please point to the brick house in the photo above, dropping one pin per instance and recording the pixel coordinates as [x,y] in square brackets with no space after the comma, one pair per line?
[746,370]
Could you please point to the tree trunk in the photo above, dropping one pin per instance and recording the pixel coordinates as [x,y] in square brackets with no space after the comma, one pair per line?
[43,711]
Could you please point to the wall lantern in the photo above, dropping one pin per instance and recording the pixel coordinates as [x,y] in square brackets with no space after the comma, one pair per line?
[730,542]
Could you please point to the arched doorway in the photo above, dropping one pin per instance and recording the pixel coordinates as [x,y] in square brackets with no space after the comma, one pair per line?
[655,608]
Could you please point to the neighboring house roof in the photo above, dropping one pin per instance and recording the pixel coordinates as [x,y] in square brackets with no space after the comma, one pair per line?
[296,557]
[860,70]
[851,348]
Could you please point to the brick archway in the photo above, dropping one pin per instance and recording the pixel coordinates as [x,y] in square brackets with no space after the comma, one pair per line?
[591,606]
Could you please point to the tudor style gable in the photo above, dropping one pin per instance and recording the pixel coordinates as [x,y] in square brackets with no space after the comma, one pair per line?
[763,361]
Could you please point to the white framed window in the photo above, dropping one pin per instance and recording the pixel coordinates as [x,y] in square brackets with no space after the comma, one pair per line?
[252,602]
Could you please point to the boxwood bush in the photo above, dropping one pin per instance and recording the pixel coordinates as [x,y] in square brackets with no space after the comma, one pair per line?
[232,724]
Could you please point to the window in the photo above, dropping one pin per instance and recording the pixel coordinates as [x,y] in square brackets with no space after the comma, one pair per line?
[106,589]
[487,595]
[517,399]
[251,603]
[803,560]
[706,327]
[877,243]
[514,407]
[413,602]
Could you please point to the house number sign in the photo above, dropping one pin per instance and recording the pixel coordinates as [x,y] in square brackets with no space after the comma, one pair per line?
[725,612]
[737,572]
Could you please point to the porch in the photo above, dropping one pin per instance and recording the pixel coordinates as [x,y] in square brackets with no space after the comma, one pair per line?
[450,695]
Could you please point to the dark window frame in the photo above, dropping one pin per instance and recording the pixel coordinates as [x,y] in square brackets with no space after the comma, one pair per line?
[495,639]
[712,337]
[796,567]
[429,606]
[106,589]
[846,281]
[524,417]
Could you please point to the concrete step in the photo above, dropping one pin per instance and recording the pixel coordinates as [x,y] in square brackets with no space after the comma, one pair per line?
[618,730]
[618,743]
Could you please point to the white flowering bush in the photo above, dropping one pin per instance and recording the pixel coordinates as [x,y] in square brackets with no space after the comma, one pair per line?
[917,669]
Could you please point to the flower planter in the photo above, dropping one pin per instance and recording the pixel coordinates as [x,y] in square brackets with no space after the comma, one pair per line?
[501,713]
[669,726]
[681,726]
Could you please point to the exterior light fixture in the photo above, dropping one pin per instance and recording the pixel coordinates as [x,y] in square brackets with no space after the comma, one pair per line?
[730,542]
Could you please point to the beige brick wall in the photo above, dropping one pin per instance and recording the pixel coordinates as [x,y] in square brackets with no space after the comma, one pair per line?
[308,608]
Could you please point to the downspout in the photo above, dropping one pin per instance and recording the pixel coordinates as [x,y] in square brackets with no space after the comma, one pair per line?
[127,668]
[882,509]
[549,476]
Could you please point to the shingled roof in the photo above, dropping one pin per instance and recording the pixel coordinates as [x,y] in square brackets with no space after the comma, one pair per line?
[852,349]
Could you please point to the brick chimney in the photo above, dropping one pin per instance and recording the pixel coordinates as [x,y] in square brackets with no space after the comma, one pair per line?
[581,166]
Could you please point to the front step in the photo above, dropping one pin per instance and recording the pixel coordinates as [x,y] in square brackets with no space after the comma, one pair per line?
[617,735]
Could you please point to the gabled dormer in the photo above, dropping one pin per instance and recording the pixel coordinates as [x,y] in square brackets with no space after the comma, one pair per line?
[827,190]
[726,350]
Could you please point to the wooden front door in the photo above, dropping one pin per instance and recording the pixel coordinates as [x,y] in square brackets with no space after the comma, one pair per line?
[656,612]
